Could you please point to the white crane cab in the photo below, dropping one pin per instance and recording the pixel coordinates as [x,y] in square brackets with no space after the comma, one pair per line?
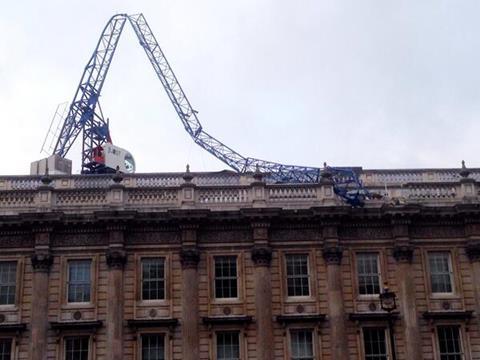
[113,158]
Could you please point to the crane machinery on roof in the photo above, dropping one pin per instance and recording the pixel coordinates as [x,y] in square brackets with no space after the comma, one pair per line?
[99,155]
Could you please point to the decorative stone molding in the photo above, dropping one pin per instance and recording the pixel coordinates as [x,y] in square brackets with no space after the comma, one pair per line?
[403,253]
[473,251]
[261,255]
[189,258]
[116,258]
[42,262]
[333,255]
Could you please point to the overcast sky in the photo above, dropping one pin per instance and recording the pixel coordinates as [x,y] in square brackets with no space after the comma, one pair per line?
[377,84]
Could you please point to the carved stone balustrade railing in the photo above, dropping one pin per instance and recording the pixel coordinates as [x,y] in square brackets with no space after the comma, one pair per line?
[224,190]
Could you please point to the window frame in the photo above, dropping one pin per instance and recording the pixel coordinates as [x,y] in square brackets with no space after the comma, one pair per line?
[313,331]
[166,342]
[13,345]
[65,279]
[387,337]
[166,294]
[212,277]
[462,339]
[452,272]
[379,256]
[241,340]
[19,283]
[77,335]
[311,290]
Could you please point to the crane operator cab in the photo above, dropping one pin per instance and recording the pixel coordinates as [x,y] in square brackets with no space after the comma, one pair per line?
[113,157]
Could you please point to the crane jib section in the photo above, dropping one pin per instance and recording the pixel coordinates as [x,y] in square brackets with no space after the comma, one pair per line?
[82,115]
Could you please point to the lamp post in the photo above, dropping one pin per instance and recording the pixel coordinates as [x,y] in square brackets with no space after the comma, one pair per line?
[388,303]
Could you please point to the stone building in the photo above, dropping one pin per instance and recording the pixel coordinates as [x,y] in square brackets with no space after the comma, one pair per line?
[226,266]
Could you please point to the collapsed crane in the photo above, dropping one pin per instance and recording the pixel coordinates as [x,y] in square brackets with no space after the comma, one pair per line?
[99,155]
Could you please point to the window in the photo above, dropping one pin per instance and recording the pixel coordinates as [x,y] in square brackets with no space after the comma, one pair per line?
[153,279]
[449,343]
[374,343]
[76,347]
[5,349]
[297,275]
[440,272]
[368,274]
[79,280]
[301,345]
[228,345]
[226,277]
[153,347]
[8,280]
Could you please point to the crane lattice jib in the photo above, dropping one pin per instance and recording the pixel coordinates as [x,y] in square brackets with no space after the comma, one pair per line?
[346,182]
[88,92]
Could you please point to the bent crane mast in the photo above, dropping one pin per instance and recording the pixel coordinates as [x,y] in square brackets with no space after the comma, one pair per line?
[85,115]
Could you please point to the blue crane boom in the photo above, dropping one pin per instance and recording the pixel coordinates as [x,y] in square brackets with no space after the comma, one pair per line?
[85,114]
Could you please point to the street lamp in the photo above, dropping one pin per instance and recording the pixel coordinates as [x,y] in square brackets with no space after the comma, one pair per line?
[388,303]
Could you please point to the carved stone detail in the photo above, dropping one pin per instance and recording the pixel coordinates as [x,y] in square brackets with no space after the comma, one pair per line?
[189,258]
[261,255]
[333,255]
[403,253]
[473,251]
[42,262]
[116,258]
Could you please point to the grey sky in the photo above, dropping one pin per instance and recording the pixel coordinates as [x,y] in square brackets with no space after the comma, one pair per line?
[378,84]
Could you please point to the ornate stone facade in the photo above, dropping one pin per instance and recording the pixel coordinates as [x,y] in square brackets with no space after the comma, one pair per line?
[193,226]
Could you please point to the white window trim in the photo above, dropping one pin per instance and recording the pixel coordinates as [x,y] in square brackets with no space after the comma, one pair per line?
[379,272]
[450,270]
[309,276]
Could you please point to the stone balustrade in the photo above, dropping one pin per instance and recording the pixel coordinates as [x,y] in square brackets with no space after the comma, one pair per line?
[225,190]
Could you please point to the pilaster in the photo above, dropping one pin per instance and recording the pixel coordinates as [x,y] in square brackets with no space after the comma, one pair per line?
[41,261]
[116,258]
[261,254]
[332,254]
[403,252]
[189,258]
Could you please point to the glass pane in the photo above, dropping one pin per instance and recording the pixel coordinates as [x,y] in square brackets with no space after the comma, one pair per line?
[440,272]
[5,349]
[153,279]
[375,346]
[226,277]
[368,274]
[79,280]
[301,344]
[297,275]
[76,348]
[449,343]
[153,347]
[8,280]
[228,345]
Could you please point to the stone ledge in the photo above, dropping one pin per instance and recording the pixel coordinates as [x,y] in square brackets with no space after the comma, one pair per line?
[224,320]
[373,316]
[299,318]
[448,315]
[76,325]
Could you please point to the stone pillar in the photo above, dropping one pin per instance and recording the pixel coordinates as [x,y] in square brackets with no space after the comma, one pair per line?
[189,258]
[472,229]
[116,259]
[41,263]
[403,254]
[261,257]
[332,253]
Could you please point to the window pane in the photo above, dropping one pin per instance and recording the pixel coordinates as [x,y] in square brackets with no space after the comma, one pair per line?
[228,345]
[76,348]
[297,275]
[153,347]
[449,343]
[226,277]
[440,272]
[8,280]
[5,349]
[301,344]
[79,280]
[374,344]
[153,279]
[368,274]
